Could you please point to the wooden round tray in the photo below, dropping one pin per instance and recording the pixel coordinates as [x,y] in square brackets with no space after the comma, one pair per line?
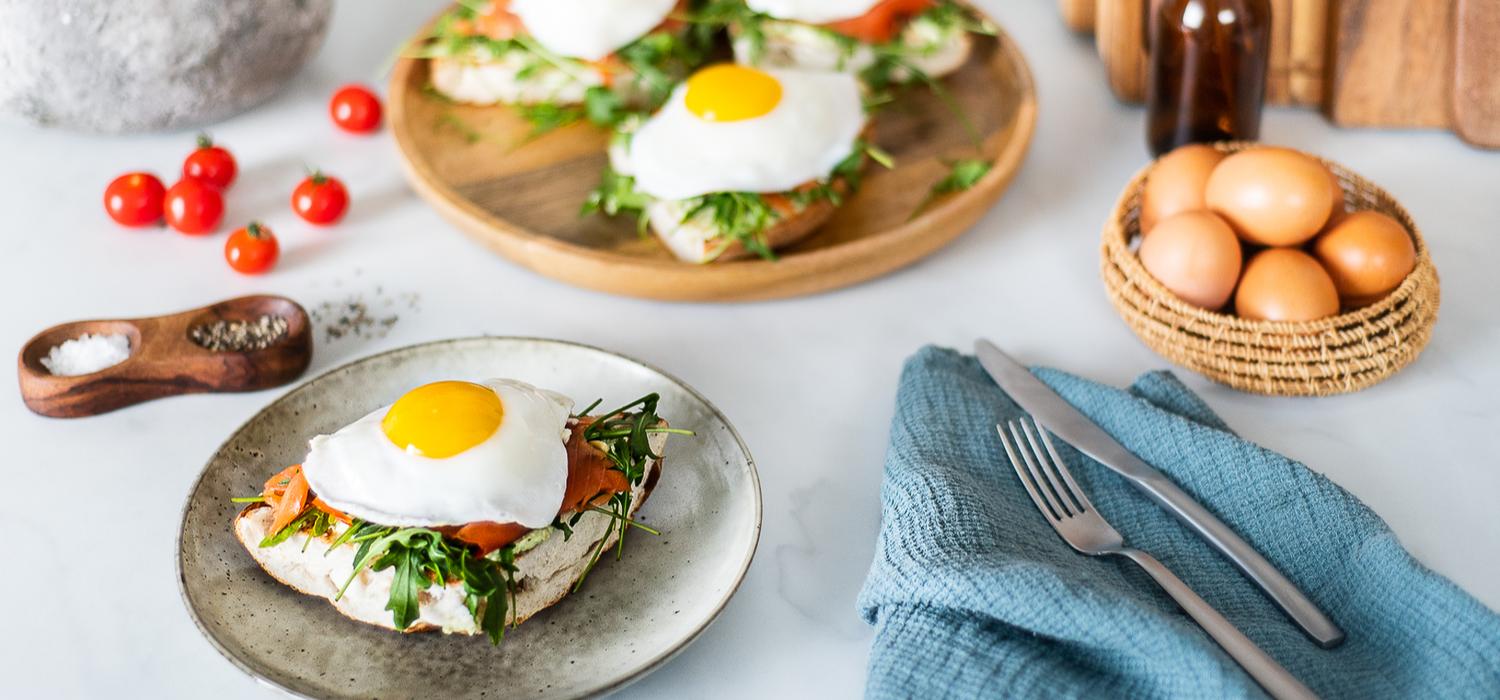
[521,197]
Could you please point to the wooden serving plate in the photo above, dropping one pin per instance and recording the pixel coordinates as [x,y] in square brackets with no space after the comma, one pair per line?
[521,198]
[164,361]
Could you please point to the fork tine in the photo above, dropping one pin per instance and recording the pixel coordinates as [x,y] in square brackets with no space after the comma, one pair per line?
[1031,488]
[1058,507]
[1051,468]
[1079,496]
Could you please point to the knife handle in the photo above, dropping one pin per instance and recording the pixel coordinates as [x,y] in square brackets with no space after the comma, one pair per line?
[1277,587]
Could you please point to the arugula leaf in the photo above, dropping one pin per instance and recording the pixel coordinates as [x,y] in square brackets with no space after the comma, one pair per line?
[348,533]
[546,117]
[962,175]
[493,619]
[616,194]
[304,519]
[404,588]
[716,15]
[602,106]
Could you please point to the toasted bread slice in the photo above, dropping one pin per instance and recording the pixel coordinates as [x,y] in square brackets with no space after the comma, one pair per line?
[937,50]
[514,78]
[696,240]
[481,79]
[545,573]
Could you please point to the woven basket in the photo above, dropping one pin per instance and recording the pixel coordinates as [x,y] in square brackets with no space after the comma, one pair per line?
[1334,355]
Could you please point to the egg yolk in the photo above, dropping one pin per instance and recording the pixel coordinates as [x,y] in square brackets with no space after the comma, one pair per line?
[442,419]
[731,93]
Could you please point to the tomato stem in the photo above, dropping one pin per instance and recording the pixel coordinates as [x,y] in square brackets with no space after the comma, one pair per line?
[256,230]
[204,140]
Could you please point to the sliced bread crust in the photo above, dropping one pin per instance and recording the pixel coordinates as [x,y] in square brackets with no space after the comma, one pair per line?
[545,573]
[788,44]
[695,241]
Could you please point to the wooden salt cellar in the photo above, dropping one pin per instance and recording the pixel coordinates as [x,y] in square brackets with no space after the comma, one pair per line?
[165,361]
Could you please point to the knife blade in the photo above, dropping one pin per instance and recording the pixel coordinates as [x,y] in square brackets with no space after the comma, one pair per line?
[1061,419]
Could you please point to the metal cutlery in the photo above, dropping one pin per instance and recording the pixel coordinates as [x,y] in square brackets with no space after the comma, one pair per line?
[1065,507]
[1067,423]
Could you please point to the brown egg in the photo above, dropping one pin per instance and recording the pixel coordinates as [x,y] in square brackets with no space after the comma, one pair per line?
[1367,254]
[1271,196]
[1285,284]
[1177,183]
[1196,255]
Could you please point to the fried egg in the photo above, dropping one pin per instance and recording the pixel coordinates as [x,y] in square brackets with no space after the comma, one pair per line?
[589,29]
[733,128]
[449,453]
[813,11]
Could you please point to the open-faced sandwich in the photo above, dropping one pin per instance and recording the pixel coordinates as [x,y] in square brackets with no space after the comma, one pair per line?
[884,41]
[739,161]
[462,507]
[598,54]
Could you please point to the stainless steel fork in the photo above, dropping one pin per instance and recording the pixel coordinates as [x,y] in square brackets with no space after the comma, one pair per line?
[1068,510]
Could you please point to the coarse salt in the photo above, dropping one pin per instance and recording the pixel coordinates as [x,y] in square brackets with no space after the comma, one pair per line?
[87,354]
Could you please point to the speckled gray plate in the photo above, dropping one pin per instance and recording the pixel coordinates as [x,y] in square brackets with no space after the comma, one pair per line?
[630,617]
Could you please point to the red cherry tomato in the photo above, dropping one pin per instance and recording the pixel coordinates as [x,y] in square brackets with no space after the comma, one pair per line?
[210,164]
[134,199]
[320,199]
[354,108]
[193,207]
[252,250]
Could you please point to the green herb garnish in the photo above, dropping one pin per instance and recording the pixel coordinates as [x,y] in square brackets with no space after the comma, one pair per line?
[962,175]
[648,69]
[736,217]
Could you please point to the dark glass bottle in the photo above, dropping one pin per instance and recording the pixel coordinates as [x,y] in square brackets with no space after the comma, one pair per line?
[1207,75]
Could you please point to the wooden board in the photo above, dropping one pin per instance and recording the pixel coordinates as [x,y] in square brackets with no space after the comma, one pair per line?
[1077,14]
[1476,73]
[1392,64]
[1279,65]
[1384,63]
[1120,36]
[1308,51]
[522,199]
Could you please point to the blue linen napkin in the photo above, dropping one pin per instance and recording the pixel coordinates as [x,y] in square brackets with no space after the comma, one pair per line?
[972,594]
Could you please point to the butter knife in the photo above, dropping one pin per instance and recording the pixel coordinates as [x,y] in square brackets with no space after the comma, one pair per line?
[1064,421]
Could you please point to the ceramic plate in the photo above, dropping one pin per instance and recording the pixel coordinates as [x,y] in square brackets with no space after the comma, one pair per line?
[631,616]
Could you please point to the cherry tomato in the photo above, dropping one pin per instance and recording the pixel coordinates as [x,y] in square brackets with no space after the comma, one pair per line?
[210,164]
[134,199]
[320,199]
[354,108]
[193,207]
[252,250]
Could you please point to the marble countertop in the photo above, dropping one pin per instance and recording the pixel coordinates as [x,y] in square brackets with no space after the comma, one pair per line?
[92,506]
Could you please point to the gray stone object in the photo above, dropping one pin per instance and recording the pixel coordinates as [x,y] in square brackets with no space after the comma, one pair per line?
[143,65]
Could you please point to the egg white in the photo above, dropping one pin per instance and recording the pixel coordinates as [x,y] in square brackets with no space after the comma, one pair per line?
[813,11]
[678,155]
[517,475]
[589,29]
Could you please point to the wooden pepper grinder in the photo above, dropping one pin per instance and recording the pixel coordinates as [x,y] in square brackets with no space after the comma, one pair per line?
[1206,79]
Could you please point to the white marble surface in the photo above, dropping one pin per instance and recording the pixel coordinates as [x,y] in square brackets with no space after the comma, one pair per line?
[91,506]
